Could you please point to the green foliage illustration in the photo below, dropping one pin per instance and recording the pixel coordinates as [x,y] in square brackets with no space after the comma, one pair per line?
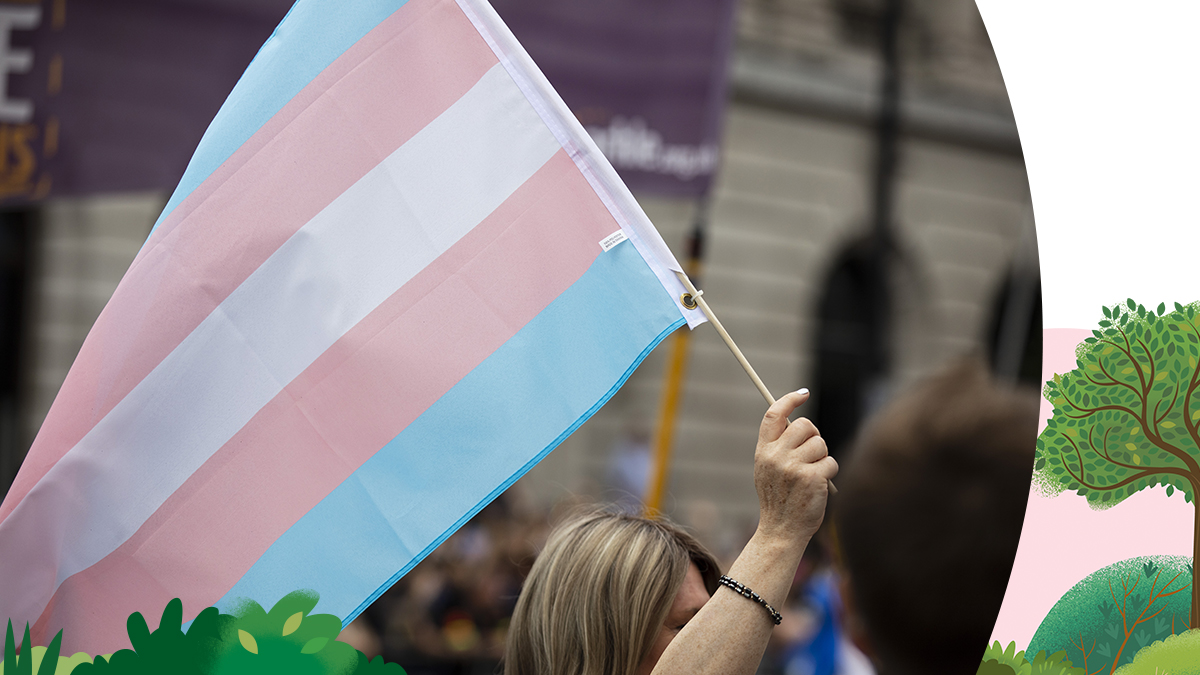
[22,663]
[376,666]
[1126,418]
[40,660]
[167,649]
[1177,655]
[1104,619]
[288,639]
[998,660]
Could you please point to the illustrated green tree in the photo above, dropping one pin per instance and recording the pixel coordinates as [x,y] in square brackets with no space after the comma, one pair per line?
[1126,418]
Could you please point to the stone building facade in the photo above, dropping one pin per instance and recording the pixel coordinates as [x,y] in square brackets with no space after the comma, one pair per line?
[795,187]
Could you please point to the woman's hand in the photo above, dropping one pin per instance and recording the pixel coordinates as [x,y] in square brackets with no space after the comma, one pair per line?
[792,470]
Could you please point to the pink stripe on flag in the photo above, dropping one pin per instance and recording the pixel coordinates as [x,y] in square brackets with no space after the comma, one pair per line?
[354,399]
[371,100]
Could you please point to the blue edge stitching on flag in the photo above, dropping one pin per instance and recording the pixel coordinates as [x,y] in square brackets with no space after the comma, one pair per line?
[513,478]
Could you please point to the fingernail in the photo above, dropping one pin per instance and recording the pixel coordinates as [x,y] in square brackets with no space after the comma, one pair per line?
[802,390]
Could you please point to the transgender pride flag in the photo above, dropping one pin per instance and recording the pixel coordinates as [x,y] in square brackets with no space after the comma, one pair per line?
[376,299]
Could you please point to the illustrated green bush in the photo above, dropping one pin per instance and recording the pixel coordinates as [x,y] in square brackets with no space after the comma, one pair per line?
[376,666]
[39,660]
[1104,619]
[22,664]
[1000,661]
[287,639]
[1177,655]
[168,649]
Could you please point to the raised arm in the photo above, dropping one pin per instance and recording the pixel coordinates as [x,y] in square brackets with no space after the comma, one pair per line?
[792,468]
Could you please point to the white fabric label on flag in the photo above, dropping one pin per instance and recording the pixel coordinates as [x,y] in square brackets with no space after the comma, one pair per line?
[612,240]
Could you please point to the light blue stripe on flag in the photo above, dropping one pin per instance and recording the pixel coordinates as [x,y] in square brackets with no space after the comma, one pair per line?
[312,35]
[472,444]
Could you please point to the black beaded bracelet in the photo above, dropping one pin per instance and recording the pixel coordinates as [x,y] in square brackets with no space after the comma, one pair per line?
[747,593]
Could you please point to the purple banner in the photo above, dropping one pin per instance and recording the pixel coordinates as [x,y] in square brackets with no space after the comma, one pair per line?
[647,78]
[114,96]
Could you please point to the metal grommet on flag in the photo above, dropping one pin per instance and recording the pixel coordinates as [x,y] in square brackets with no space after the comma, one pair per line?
[689,300]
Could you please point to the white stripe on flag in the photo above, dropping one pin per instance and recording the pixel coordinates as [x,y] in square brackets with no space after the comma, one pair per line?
[320,283]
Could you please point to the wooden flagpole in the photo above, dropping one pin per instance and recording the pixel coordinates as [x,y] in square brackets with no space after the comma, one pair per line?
[695,297]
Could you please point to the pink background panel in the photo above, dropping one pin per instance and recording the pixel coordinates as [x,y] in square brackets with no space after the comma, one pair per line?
[1064,540]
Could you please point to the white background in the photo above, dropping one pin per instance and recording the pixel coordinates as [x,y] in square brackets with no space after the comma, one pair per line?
[1105,96]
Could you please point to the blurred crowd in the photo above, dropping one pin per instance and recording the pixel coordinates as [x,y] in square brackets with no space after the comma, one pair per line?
[449,615]
[910,566]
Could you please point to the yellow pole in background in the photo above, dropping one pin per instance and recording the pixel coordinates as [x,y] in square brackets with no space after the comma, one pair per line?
[672,392]
[664,432]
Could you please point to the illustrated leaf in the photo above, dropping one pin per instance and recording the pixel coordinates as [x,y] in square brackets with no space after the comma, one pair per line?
[248,641]
[10,646]
[314,645]
[24,667]
[139,633]
[292,623]
[172,616]
[50,658]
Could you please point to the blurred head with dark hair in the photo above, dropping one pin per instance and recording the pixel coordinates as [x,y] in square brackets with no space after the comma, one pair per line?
[928,517]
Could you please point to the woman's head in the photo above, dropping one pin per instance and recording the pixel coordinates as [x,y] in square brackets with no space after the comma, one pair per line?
[599,593]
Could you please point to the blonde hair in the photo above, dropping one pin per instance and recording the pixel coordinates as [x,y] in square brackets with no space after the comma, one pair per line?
[598,594]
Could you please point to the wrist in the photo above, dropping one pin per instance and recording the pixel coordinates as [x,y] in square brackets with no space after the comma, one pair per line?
[779,544]
[768,564]
[782,537]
